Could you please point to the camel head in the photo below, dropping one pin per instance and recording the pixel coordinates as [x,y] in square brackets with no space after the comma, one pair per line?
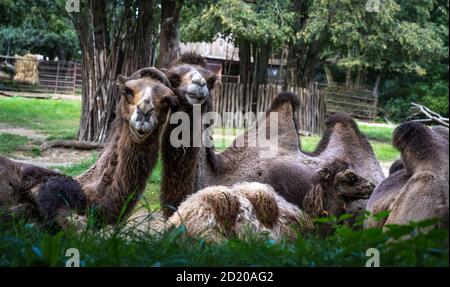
[337,190]
[191,81]
[144,102]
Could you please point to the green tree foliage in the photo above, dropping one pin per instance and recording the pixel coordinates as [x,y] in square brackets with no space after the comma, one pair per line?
[254,21]
[39,27]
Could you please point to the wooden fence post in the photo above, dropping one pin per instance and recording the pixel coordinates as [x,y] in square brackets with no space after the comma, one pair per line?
[57,78]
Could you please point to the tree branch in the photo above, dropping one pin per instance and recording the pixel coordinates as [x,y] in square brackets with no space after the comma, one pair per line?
[431,115]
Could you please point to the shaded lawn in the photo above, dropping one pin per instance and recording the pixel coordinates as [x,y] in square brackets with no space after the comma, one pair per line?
[57,118]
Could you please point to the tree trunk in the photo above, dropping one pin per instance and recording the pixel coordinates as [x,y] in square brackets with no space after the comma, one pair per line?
[245,62]
[303,58]
[109,47]
[169,47]
[262,63]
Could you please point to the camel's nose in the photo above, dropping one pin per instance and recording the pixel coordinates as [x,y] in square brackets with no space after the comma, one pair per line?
[198,80]
[146,106]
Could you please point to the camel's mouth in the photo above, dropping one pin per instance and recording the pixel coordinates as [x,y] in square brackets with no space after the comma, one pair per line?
[196,94]
[357,193]
[139,133]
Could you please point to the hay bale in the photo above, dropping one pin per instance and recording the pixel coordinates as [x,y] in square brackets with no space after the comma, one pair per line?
[27,69]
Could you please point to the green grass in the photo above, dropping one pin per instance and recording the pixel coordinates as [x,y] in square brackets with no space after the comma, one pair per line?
[10,143]
[77,169]
[57,118]
[381,133]
[23,244]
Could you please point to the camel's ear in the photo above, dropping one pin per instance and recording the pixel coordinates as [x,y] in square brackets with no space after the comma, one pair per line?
[157,74]
[211,81]
[324,173]
[174,78]
[121,80]
[172,101]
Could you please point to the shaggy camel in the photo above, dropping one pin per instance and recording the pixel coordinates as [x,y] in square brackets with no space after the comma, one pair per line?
[217,212]
[38,194]
[189,169]
[417,187]
[118,178]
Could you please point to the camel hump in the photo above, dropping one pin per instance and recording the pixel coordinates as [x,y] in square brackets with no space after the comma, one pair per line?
[418,139]
[442,131]
[283,99]
[339,118]
[190,58]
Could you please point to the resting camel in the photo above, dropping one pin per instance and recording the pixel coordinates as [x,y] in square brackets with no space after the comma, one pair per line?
[189,169]
[417,187]
[38,194]
[217,212]
[117,180]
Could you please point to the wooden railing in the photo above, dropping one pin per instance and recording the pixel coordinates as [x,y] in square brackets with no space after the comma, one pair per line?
[359,103]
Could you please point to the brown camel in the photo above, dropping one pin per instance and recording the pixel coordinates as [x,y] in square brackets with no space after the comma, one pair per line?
[290,172]
[417,187]
[38,194]
[117,180]
[218,212]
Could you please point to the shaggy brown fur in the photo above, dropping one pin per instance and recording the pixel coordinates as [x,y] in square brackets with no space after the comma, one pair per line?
[38,194]
[116,182]
[246,208]
[290,172]
[419,190]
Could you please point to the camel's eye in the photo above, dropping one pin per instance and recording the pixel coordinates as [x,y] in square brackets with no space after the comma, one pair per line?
[351,177]
[128,93]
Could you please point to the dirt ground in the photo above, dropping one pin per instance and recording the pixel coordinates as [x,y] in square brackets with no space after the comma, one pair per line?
[54,157]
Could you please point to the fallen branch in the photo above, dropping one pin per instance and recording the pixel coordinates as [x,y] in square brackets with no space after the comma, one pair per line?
[431,115]
[82,145]
[40,97]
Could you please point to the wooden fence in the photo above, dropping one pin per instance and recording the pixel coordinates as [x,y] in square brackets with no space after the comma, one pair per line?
[359,103]
[58,77]
[232,100]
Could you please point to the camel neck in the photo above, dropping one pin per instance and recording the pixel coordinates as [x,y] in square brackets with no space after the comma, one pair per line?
[180,167]
[128,167]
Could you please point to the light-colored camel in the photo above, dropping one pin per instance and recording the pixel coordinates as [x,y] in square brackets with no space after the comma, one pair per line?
[417,187]
[117,180]
[189,169]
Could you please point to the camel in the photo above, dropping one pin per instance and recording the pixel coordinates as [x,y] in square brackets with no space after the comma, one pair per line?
[417,187]
[117,180]
[218,212]
[189,169]
[39,194]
